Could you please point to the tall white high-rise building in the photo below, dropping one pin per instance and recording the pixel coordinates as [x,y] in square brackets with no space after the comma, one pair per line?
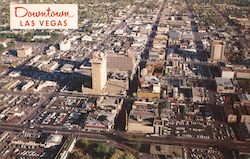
[217,50]
[99,72]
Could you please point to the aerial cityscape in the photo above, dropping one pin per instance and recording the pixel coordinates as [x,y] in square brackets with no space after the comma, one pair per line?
[138,79]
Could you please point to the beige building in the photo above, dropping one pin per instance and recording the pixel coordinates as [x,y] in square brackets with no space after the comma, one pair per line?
[99,72]
[120,62]
[242,73]
[141,117]
[24,51]
[11,84]
[217,50]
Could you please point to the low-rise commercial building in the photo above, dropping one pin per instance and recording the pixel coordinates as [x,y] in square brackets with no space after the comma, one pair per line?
[24,51]
[224,85]
[141,117]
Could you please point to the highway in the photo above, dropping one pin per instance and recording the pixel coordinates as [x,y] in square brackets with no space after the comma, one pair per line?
[126,138]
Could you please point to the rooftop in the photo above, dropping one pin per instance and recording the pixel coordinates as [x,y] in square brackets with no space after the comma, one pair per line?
[224,82]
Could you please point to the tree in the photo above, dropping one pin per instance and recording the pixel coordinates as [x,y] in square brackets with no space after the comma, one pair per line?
[85,142]
[128,156]
[1,48]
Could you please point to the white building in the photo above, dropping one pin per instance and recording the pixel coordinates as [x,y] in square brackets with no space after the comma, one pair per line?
[65,45]
[198,94]
[227,72]
[67,68]
[15,73]
[224,85]
[27,85]
[53,140]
